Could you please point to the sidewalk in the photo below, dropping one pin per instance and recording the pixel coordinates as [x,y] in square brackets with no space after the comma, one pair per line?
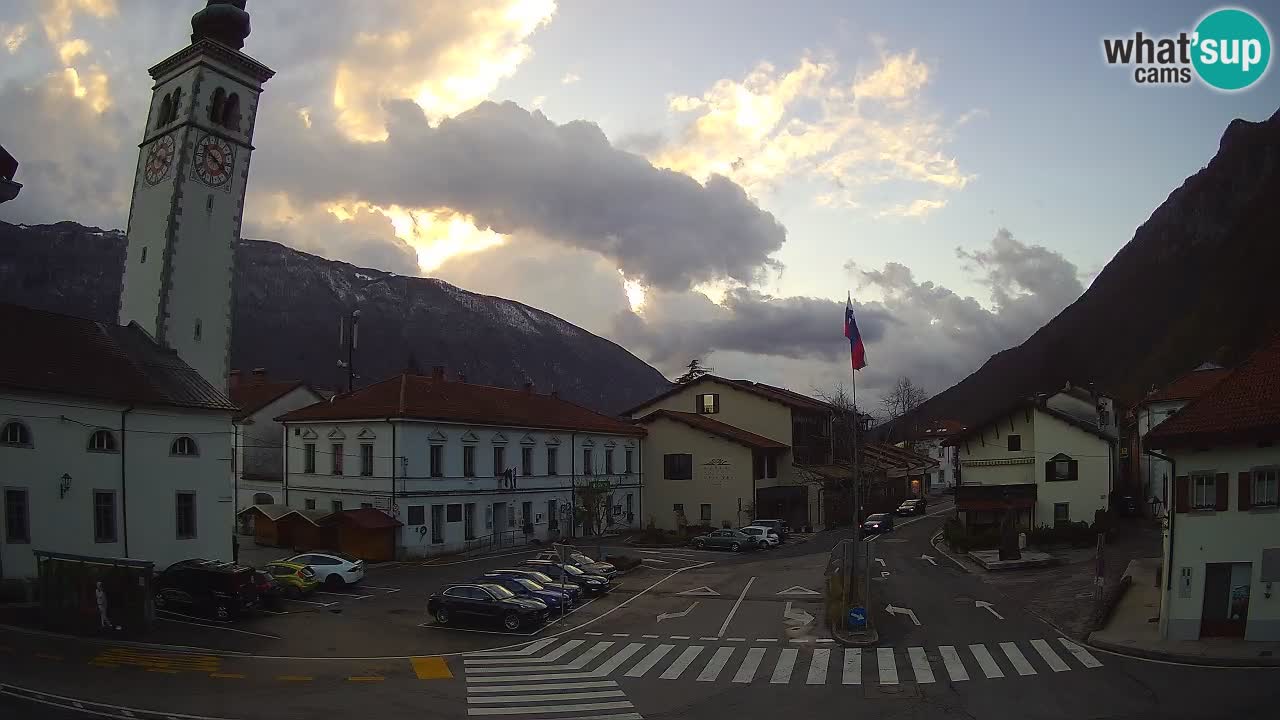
[1133,631]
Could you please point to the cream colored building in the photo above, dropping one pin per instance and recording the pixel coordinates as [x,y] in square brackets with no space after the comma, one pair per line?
[1043,458]
[1222,535]
[746,442]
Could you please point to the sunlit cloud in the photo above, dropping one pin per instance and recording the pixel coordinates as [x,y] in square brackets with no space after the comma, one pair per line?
[813,122]
[636,293]
[436,235]
[92,87]
[447,76]
[12,37]
[914,209]
[57,16]
[71,49]
[569,78]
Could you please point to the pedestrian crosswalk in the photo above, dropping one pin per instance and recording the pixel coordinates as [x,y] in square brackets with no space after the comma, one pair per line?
[579,670]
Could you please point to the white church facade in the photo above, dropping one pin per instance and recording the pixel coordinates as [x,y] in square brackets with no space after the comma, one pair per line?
[115,438]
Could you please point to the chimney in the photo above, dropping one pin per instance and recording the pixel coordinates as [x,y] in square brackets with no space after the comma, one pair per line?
[528,388]
[233,381]
[437,372]
[259,375]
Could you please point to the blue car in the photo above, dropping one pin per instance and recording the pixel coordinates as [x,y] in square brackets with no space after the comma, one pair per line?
[573,591]
[555,600]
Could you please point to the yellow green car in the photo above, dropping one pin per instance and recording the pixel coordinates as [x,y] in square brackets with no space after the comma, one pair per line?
[296,580]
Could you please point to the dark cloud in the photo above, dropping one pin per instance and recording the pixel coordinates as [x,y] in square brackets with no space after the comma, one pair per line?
[515,171]
[919,329]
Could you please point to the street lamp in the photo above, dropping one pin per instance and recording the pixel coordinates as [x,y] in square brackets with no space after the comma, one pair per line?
[65,486]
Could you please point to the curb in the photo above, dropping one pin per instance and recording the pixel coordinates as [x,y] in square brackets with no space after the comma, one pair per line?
[861,640]
[1180,658]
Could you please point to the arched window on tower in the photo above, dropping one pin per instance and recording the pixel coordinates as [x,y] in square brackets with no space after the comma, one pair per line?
[162,117]
[215,106]
[175,105]
[231,113]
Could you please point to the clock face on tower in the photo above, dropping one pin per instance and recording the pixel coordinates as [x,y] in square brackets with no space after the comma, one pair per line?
[213,159]
[159,159]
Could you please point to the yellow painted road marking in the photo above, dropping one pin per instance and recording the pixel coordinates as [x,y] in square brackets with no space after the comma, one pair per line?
[366,678]
[295,678]
[227,675]
[46,656]
[159,660]
[431,668]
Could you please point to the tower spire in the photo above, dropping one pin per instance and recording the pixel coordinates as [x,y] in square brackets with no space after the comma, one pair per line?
[223,20]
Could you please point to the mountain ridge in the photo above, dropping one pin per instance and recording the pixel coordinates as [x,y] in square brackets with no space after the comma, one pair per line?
[287,303]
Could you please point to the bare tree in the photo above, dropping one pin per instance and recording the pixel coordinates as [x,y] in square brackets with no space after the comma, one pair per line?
[904,397]
[695,371]
[845,409]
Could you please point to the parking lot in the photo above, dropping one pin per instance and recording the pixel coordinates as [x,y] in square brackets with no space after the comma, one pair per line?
[385,614]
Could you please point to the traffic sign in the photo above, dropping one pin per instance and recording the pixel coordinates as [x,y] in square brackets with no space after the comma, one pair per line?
[858,618]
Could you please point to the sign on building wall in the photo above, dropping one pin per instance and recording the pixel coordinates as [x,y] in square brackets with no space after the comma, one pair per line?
[717,472]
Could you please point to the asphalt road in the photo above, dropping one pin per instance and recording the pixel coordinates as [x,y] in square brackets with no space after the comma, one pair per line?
[692,635]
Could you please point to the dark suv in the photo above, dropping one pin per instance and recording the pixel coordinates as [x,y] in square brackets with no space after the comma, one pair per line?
[222,590]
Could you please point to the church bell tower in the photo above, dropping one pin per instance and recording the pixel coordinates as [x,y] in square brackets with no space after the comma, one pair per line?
[189,188]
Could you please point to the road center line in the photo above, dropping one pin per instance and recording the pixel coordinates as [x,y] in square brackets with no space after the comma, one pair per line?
[734,611]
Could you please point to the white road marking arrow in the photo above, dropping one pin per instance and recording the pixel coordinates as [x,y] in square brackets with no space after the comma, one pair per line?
[796,616]
[903,611]
[884,573]
[987,605]
[668,616]
[881,561]
[704,590]
[797,590]
[930,559]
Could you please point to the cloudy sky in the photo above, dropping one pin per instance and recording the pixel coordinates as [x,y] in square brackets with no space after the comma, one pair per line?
[690,179]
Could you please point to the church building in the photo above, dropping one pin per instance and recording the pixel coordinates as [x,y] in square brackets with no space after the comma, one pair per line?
[115,438]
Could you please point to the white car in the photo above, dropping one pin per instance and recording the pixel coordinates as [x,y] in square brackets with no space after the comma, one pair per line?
[334,569]
[767,537]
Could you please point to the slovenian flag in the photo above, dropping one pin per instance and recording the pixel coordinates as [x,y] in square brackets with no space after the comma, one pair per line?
[857,351]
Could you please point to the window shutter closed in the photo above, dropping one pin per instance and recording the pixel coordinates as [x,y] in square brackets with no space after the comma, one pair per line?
[1246,479]
[1075,470]
[1182,494]
[1222,483]
[1048,471]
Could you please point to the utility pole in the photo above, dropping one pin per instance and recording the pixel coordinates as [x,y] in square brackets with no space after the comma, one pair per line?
[348,338]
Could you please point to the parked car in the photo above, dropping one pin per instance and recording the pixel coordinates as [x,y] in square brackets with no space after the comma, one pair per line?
[913,506]
[573,590]
[778,526]
[334,569]
[734,540]
[592,584]
[878,523]
[296,580]
[556,601]
[765,537]
[585,563]
[485,602]
[222,590]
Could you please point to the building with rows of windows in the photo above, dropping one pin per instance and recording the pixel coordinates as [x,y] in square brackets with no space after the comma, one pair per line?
[464,466]
[110,446]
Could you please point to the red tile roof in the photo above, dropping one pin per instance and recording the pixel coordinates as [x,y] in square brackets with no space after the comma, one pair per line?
[768,392]
[1242,407]
[423,398]
[893,456]
[251,396]
[715,427]
[1189,386]
[67,355]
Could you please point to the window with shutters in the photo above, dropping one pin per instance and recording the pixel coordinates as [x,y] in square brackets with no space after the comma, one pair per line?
[705,512]
[366,459]
[526,461]
[437,461]
[708,403]
[1061,468]
[1265,488]
[1204,492]
[185,512]
[17,516]
[309,458]
[586,462]
[335,459]
[608,461]
[499,460]
[104,516]
[469,460]
[1015,443]
[677,466]
[626,462]
[553,456]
